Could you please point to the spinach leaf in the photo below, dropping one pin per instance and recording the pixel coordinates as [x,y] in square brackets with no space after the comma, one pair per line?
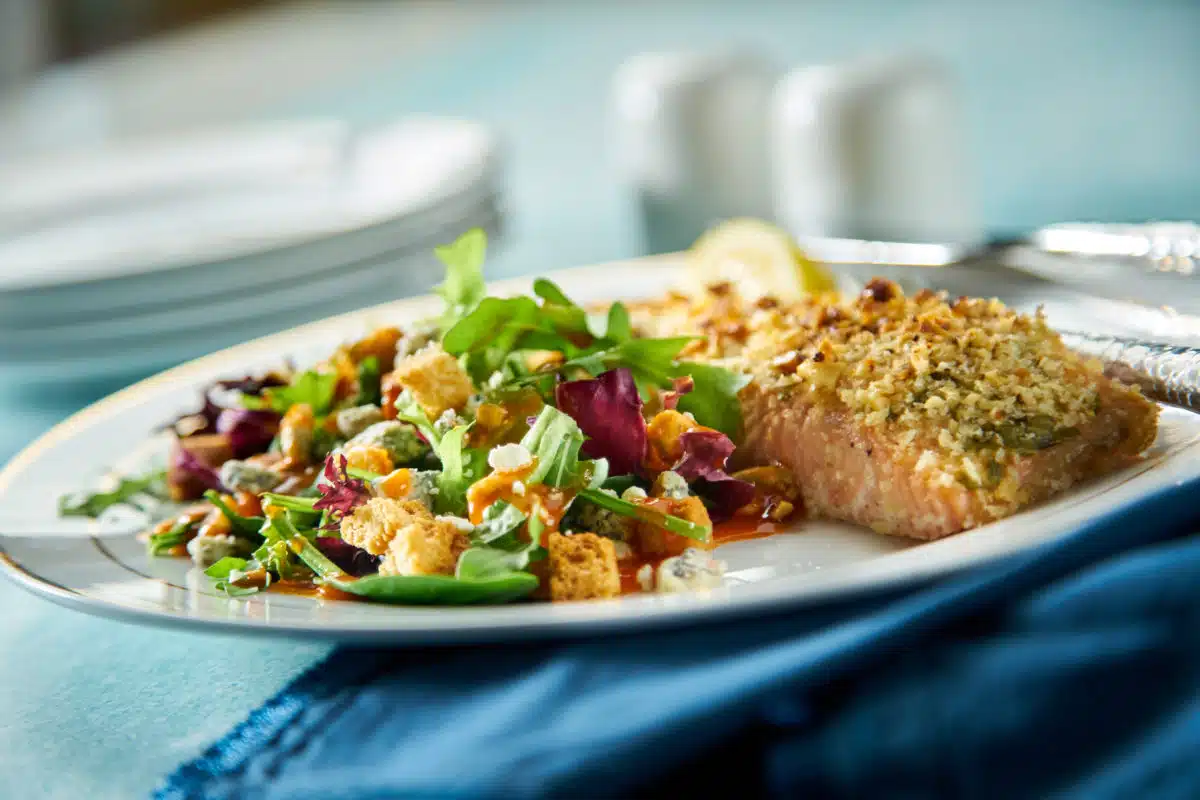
[439,589]
[683,527]
[554,440]
[713,400]
[464,286]
[126,493]
[245,527]
[314,388]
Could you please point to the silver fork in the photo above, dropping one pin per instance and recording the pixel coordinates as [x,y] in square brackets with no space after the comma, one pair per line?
[1165,372]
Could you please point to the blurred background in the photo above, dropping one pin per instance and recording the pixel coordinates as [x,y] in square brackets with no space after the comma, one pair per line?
[168,168]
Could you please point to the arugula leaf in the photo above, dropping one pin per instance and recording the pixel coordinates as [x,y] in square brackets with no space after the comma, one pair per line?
[713,400]
[677,525]
[564,313]
[177,534]
[246,527]
[618,328]
[125,493]
[554,440]
[314,388]
[369,392]
[499,520]
[464,286]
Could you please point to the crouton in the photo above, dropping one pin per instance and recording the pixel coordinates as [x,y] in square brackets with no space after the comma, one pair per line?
[379,344]
[582,567]
[435,380]
[651,540]
[296,434]
[373,526]
[427,546]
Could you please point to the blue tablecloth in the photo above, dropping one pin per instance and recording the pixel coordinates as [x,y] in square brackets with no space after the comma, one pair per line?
[1072,669]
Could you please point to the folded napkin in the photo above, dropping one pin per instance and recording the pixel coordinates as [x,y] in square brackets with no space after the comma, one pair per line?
[1072,669]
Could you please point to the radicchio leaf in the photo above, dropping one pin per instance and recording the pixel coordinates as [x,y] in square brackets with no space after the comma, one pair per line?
[204,421]
[349,558]
[609,412]
[187,470]
[340,494]
[703,461]
[682,386]
[249,431]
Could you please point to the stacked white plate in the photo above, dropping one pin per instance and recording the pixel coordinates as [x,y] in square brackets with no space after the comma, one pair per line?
[126,261]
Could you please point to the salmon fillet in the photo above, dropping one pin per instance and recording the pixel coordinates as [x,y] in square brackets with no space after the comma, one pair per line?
[914,416]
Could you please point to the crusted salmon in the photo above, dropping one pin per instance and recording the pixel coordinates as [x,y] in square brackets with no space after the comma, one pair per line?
[916,416]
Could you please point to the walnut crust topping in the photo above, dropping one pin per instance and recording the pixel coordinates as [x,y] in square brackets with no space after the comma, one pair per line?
[969,377]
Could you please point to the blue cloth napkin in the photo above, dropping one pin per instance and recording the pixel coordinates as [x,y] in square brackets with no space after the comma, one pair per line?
[1072,669]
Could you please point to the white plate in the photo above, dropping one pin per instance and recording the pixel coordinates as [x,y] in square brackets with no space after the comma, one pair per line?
[817,561]
[211,319]
[171,217]
[70,303]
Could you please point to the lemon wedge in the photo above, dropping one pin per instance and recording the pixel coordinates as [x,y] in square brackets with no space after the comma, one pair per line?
[759,259]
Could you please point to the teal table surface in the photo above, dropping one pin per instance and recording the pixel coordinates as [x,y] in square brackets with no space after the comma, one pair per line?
[1074,109]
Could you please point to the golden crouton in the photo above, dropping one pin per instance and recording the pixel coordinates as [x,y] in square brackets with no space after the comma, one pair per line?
[296,434]
[428,546]
[652,540]
[583,566]
[436,381]
[379,344]
[373,526]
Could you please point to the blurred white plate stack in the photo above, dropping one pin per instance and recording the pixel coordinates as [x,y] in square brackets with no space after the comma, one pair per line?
[125,261]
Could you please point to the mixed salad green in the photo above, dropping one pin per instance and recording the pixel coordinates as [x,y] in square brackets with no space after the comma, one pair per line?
[511,447]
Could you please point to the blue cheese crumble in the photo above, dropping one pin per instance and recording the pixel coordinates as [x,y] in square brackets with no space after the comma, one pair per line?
[692,570]
[353,421]
[399,439]
[242,476]
[208,550]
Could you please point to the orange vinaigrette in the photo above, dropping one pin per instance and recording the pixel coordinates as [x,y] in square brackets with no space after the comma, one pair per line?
[511,487]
